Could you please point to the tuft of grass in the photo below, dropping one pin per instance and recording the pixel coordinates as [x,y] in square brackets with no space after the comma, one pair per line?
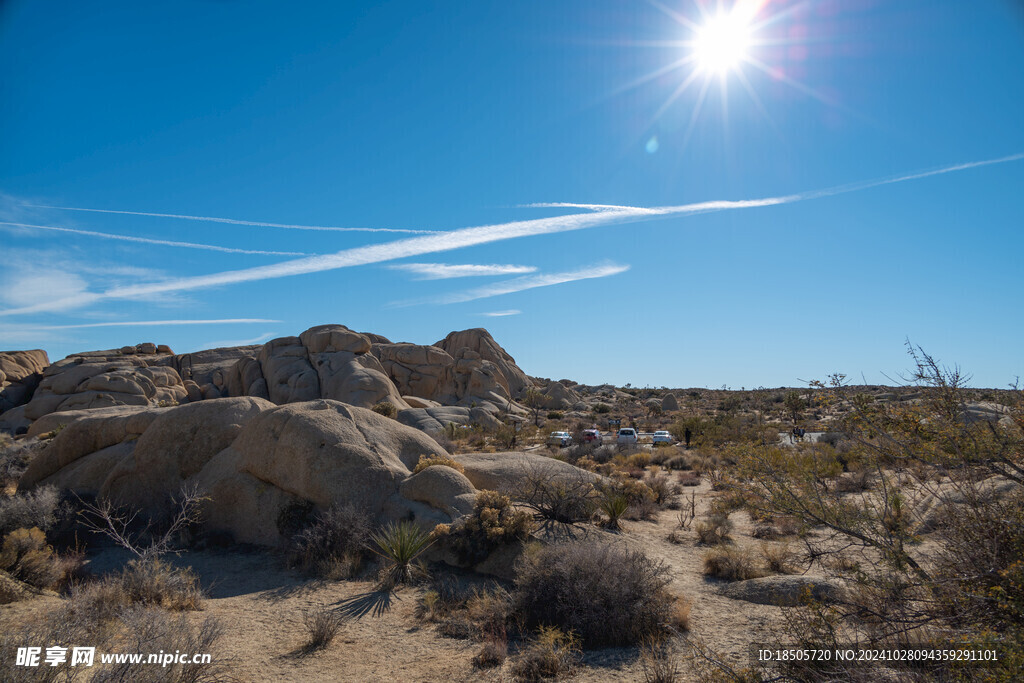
[714,530]
[658,664]
[322,625]
[731,564]
[551,654]
[779,558]
[154,582]
[399,544]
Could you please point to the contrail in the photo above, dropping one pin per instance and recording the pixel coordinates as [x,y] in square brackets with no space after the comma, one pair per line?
[444,271]
[521,284]
[160,323]
[468,237]
[231,221]
[164,243]
[502,314]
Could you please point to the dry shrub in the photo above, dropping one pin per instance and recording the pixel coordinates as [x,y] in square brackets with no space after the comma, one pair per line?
[658,664]
[556,498]
[779,558]
[27,557]
[432,460]
[492,654]
[552,654]
[494,522]
[642,510]
[731,564]
[322,625]
[334,546]
[607,595]
[37,508]
[638,461]
[385,408]
[714,530]
[679,617]
[689,478]
[662,488]
[156,583]
[854,482]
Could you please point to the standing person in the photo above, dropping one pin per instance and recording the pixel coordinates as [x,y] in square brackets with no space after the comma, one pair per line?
[686,437]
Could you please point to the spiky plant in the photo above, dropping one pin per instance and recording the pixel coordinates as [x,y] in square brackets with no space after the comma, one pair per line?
[400,544]
[613,505]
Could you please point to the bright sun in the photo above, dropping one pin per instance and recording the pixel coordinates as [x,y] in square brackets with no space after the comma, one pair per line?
[722,43]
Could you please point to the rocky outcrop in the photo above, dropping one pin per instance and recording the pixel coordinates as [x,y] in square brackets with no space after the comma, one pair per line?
[482,346]
[103,379]
[559,397]
[508,472]
[207,374]
[20,372]
[784,591]
[252,459]
[434,419]
[669,403]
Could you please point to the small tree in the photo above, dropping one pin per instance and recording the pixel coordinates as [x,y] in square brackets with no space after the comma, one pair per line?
[534,400]
[794,403]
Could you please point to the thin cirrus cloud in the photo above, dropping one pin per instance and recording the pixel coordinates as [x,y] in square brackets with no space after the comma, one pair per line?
[229,221]
[521,284]
[147,240]
[468,237]
[444,271]
[502,314]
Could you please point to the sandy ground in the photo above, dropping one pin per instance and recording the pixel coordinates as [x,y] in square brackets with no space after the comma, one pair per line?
[260,604]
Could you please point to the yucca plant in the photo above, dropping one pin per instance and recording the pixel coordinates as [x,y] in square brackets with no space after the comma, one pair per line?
[400,544]
[613,505]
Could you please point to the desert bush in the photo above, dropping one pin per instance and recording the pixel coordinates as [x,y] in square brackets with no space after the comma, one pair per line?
[494,522]
[778,558]
[731,564]
[322,625]
[714,530]
[432,460]
[385,408]
[854,482]
[551,654]
[556,498]
[400,544]
[37,508]
[606,594]
[690,478]
[662,487]
[602,408]
[643,510]
[658,664]
[493,653]
[154,582]
[678,462]
[27,557]
[334,545]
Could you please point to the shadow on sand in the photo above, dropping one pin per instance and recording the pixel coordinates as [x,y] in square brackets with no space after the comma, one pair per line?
[374,603]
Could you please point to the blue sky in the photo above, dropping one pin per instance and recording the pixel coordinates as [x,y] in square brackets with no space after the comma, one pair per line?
[454,121]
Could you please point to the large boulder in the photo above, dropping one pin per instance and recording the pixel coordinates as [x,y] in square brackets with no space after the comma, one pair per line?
[509,472]
[480,342]
[434,419]
[175,447]
[784,591]
[557,396]
[20,372]
[325,453]
[669,403]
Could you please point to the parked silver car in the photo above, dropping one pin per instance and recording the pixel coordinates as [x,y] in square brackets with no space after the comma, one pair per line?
[560,439]
[661,437]
[627,435]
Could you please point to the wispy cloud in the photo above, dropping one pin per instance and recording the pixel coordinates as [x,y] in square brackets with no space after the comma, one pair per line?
[153,323]
[146,240]
[234,342]
[502,314]
[444,271]
[229,221]
[520,284]
[468,237]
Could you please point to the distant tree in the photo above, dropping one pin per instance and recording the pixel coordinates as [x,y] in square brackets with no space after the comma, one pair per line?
[794,404]
[534,400]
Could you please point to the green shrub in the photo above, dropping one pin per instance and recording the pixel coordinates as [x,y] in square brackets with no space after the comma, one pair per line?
[613,505]
[385,408]
[602,408]
[607,595]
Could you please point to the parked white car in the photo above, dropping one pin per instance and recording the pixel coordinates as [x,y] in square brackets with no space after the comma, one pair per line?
[627,435]
[560,439]
[661,437]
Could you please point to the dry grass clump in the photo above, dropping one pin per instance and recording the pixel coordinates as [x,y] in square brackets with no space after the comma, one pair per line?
[322,625]
[385,408]
[335,546]
[493,653]
[494,522]
[776,528]
[432,460]
[731,564]
[714,530]
[551,654]
[779,558]
[689,478]
[607,595]
[658,664]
